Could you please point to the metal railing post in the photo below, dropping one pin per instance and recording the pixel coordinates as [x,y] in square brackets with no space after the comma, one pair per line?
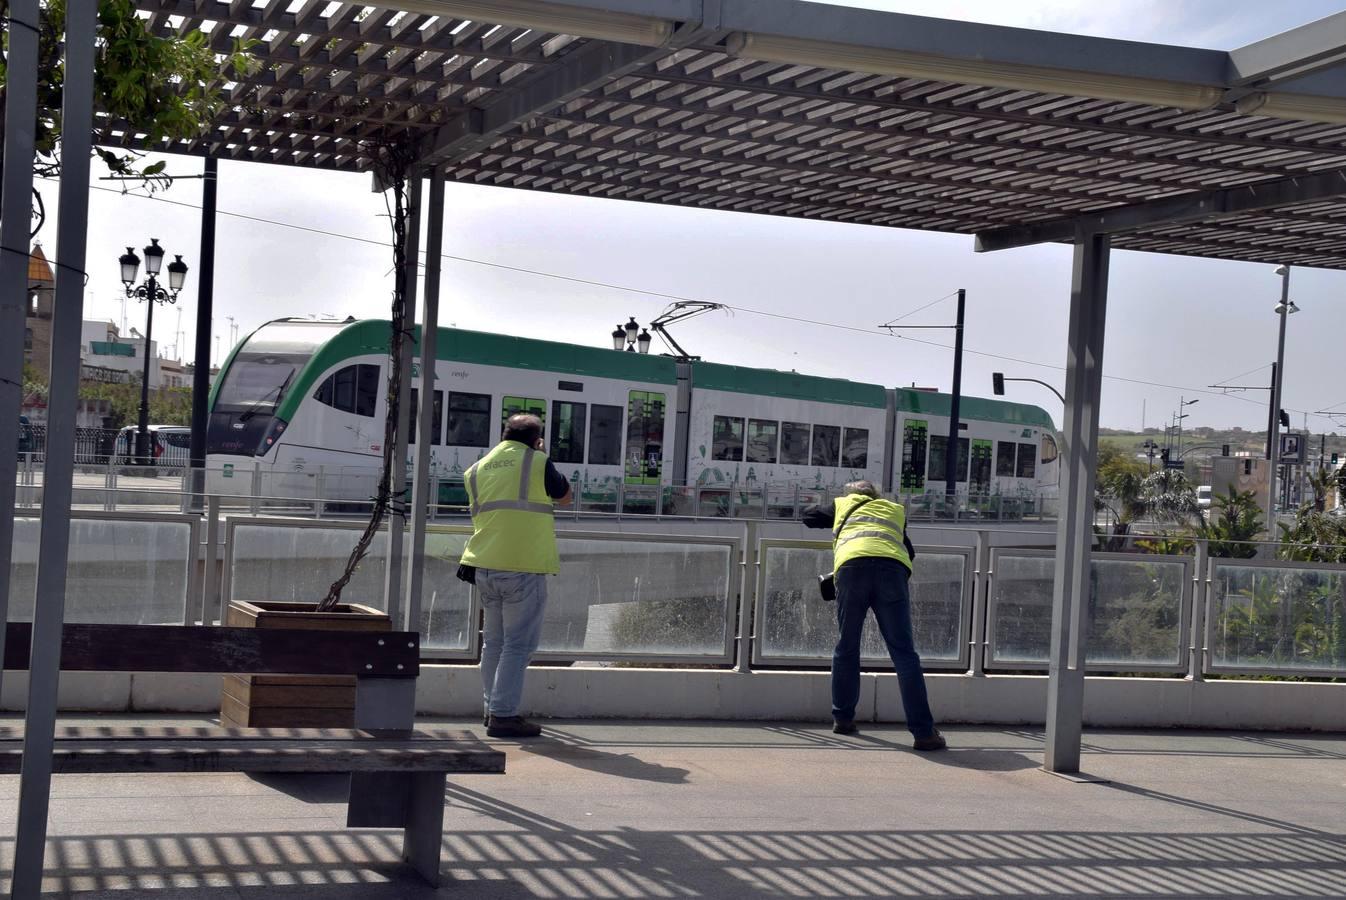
[210,584]
[1196,659]
[621,498]
[255,504]
[747,600]
[981,603]
[319,492]
[733,499]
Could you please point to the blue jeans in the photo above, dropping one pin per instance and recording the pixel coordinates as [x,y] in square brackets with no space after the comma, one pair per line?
[881,585]
[513,603]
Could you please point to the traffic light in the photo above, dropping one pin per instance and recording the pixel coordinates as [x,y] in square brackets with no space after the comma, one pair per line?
[1334,459]
[1163,454]
[1285,419]
[998,383]
[1224,449]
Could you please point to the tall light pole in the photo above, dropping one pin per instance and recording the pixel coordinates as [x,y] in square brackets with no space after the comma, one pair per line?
[1183,404]
[151,292]
[1283,310]
[951,448]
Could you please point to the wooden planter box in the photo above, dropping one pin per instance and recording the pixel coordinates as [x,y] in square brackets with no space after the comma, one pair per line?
[294,701]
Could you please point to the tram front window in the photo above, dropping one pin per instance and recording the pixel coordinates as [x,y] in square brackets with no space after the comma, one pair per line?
[254,385]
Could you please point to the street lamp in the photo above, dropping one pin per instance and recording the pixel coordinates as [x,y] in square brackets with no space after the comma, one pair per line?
[630,337]
[1282,310]
[152,292]
[1183,404]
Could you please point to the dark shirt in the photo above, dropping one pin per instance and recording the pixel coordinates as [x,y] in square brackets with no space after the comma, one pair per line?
[826,517]
[556,483]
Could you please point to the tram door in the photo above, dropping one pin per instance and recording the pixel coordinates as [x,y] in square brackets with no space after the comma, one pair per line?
[979,484]
[644,437]
[914,442]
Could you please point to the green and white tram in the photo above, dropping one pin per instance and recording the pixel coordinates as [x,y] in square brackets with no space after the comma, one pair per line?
[302,404]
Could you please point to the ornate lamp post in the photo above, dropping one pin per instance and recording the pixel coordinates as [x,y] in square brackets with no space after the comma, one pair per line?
[152,292]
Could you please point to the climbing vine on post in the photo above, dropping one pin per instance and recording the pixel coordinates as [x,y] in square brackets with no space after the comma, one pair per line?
[396,162]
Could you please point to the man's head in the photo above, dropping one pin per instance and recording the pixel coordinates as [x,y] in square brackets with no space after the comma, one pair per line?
[862,487]
[525,428]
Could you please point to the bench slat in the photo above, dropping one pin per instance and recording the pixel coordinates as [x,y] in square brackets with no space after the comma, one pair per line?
[216,733]
[208,648]
[245,756]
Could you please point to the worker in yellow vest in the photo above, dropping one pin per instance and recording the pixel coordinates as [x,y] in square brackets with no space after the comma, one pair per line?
[872,561]
[512,550]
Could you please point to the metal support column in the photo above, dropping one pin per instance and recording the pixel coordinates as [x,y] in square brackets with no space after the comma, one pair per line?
[53,550]
[397,516]
[205,292]
[1070,601]
[421,475]
[1274,439]
[16,193]
[951,455]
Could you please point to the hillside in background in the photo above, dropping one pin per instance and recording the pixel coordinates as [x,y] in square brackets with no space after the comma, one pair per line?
[1202,442]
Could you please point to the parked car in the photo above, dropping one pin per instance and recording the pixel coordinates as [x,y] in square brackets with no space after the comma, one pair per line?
[1203,495]
[170,446]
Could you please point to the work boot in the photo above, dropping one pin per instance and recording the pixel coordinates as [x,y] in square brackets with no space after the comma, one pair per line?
[844,727]
[486,719]
[927,744]
[511,727]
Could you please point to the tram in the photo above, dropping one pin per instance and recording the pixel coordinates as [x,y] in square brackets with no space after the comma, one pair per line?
[301,404]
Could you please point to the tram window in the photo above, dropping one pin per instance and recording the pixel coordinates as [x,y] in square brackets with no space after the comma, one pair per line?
[1049,451]
[855,448]
[1004,459]
[939,458]
[826,445]
[605,435]
[510,406]
[567,435]
[437,423]
[1027,461]
[727,439]
[469,420]
[354,389]
[762,440]
[366,390]
[794,444]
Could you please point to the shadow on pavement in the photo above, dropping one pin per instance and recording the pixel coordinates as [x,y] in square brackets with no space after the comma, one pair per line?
[619,765]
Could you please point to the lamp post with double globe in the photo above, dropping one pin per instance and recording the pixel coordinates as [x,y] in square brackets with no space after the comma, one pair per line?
[152,292]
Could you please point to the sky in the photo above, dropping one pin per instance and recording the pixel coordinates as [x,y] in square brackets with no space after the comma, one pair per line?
[296,242]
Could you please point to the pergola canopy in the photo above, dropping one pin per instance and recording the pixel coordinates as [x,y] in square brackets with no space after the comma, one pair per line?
[805,110]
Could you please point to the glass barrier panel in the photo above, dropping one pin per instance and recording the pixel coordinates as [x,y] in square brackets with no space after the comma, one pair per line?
[121,571]
[1278,618]
[798,624]
[1136,611]
[639,597]
[446,603]
[299,564]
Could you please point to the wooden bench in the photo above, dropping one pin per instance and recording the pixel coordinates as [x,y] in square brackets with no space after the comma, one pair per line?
[397,774]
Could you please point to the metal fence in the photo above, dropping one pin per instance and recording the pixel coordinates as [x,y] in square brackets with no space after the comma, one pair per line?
[719,593]
[108,479]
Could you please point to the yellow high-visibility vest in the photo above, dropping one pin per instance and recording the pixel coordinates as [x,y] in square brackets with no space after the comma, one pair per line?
[513,529]
[876,529]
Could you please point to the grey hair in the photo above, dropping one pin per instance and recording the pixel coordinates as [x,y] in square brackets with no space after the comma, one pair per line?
[862,487]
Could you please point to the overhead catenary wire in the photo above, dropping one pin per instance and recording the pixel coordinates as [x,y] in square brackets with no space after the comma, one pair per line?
[663,295]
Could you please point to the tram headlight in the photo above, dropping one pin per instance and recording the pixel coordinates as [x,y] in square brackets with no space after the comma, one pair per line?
[273,433]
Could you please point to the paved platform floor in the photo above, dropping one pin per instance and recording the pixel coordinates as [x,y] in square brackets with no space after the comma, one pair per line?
[759,810]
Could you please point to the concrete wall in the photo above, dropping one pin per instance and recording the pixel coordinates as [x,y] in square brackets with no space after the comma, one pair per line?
[798,696]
